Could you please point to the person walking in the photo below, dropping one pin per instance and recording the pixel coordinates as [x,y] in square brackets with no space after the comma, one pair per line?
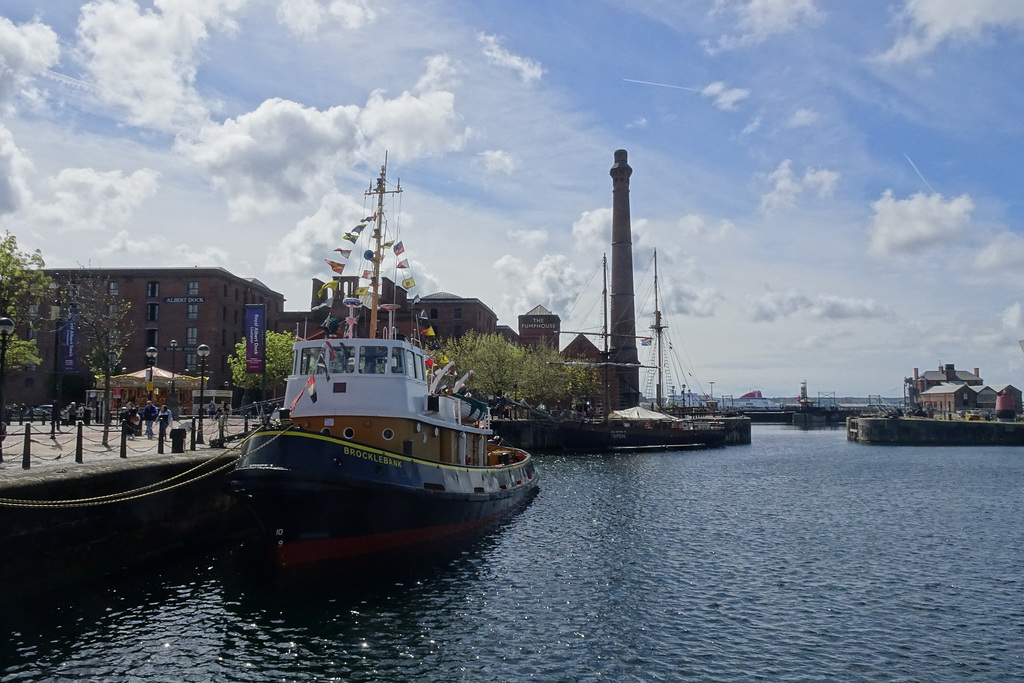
[149,414]
[129,418]
[164,417]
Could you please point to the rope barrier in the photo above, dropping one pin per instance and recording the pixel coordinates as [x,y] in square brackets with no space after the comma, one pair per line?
[141,492]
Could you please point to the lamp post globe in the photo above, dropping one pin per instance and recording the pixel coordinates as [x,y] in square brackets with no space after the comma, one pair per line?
[203,351]
[6,330]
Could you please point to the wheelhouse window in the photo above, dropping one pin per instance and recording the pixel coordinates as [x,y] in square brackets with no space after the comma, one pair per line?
[373,360]
[343,361]
[397,361]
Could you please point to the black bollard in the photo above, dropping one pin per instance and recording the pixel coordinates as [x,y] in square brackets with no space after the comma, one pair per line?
[160,439]
[124,443]
[192,441]
[78,445]
[26,453]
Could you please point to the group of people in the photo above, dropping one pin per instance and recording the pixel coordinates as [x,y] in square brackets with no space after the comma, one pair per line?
[132,419]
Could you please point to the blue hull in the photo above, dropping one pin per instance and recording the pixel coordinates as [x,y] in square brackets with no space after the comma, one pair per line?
[318,497]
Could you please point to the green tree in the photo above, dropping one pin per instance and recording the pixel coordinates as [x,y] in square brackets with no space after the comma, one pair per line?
[23,287]
[104,328]
[535,374]
[278,359]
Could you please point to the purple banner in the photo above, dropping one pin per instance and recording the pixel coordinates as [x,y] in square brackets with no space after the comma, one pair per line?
[69,344]
[255,337]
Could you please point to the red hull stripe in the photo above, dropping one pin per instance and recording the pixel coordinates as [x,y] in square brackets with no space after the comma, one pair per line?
[318,550]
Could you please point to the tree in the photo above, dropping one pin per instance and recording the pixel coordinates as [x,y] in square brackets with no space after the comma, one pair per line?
[278,363]
[23,287]
[536,374]
[104,328]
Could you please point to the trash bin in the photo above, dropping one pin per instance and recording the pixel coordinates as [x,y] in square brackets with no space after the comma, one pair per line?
[178,439]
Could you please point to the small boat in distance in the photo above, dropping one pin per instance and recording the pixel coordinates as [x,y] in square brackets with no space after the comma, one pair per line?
[374,455]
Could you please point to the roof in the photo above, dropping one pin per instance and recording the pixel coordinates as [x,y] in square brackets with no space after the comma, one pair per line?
[539,310]
[639,413]
[945,388]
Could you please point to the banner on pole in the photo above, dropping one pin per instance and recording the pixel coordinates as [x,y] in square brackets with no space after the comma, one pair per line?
[255,337]
[69,343]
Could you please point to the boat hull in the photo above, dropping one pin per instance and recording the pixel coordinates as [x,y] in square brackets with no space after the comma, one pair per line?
[594,437]
[318,497]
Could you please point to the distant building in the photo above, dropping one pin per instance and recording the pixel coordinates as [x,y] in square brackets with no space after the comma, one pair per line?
[540,326]
[191,306]
[948,390]
[581,348]
[508,333]
[452,316]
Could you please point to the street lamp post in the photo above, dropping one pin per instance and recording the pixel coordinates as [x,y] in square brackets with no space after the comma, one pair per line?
[6,330]
[203,352]
[150,364]
[172,402]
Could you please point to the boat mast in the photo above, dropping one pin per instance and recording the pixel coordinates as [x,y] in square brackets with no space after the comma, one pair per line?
[377,237]
[658,329]
[604,335]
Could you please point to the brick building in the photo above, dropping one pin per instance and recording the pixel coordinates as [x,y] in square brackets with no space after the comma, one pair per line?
[191,306]
[540,326]
[452,316]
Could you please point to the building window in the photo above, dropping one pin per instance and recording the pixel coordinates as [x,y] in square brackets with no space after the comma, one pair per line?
[190,362]
[236,316]
[112,310]
[73,291]
[458,331]
[152,312]
[152,289]
[433,314]
[457,312]
[191,335]
[33,311]
[224,313]
[225,291]
[193,312]
[153,338]
[112,288]
[193,288]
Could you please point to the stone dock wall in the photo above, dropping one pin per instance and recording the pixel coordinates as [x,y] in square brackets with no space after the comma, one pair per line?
[915,431]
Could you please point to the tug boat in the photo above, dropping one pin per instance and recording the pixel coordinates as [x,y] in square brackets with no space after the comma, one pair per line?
[374,454]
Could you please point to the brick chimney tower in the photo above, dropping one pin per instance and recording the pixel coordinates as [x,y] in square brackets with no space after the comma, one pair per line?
[625,381]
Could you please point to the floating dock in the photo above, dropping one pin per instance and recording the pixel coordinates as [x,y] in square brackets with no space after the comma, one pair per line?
[923,431]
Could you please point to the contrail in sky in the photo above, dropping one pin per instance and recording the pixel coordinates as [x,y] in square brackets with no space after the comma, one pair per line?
[662,85]
[914,166]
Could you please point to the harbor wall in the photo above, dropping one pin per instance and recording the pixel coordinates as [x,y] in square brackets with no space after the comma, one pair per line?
[43,547]
[914,431]
[541,435]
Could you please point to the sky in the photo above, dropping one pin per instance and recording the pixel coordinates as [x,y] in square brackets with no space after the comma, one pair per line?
[833,188]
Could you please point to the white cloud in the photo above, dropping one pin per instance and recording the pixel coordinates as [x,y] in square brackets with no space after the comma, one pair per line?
[552,282]
[305,17]
[693,226]
[145,61]
[530,239]
[25,51]
[758,20]
[786,185]
[592,228]
[901,225]
[281,153]
[85,199]
[14,167]
[315,237]
[500,161]
[724,98]
[528,69]
[775,305]
[927,23]
[411,127]
[1005,251]
[802,117]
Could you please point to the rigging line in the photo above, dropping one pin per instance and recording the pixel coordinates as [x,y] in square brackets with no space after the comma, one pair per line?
[579,295]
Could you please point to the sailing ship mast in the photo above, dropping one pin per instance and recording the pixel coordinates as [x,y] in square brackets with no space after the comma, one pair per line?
[378,232]
[604,335]
[658,329]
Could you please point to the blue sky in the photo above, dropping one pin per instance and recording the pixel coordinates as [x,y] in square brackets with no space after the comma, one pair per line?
[833,188]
